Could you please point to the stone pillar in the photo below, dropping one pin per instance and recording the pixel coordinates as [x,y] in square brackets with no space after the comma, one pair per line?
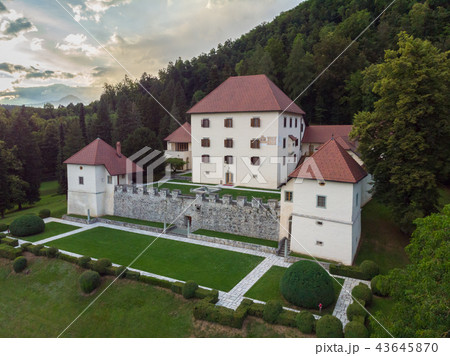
[273,204]
[163,193]
[241,201]
[256,202]
[199,197]
[212,197]
[176,193]
[226,199]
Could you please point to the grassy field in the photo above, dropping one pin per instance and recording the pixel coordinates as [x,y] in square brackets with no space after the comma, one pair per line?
[381,239]
[210,267]
[49,200]
[224,235]
[43,302]
[51,229]
[380,308]
[268,288]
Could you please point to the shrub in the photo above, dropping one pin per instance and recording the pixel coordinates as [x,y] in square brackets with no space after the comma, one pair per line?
[83,261]
[116,271]
[177,287]
[3,227]
[20,263]
[189,289]
[202,293]
[354,310]
[36,249]
[9,241]
[26,246]
[221,315]
[362,291]
[52,252]
[380,286]
[133,275]
[2,235]
[370,269]
[101,265]
[151,280]
[10,252]
[89,281]
[256,310]
[287,318]
[68,258]
[347,271]
[353,329]
[44,213]
[306,284]
[272,310]
[27,225]
[305,322]
[329,326]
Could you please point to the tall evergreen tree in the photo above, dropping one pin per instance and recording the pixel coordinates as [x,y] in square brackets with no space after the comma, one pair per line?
[103,124]
[82,123]
[49,146]
[62,172]
[127,119]
[4,187]
[73,139]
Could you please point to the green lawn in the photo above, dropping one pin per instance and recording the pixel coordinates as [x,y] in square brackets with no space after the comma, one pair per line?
[382,241]
[270,190]
[43,302]
[224,235]
[210,267]
[380,308]
[56,203]
[136,221]
[51,229]
[268,288]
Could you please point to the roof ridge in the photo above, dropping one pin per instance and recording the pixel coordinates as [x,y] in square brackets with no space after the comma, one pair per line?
[271,89]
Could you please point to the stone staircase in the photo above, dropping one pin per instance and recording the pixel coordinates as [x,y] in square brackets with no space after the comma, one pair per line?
[284,244]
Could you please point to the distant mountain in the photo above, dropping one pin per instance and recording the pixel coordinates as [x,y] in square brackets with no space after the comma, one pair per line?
[67,100]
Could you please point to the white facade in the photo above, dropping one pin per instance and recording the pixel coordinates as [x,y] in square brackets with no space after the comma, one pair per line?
[331,232]
[278,154]
[91,188]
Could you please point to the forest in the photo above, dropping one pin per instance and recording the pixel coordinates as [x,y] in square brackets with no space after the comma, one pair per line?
[292,50]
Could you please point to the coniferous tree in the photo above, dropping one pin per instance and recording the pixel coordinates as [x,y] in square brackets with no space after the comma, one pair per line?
[82,123]
[4,187]
[73,139]
[62,172]
[103,124]
[49,146]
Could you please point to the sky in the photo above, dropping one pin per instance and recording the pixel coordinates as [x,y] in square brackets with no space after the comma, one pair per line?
[53,48]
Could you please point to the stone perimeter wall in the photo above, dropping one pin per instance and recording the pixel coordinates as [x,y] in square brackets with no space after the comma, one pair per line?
[225,215]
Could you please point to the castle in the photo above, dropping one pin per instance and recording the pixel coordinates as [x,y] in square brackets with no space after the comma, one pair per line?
[245,133]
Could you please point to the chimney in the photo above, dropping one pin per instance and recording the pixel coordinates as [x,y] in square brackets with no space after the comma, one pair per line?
[119,149]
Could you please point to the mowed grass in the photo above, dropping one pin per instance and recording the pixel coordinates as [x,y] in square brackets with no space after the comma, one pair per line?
[51,229]
[50,199]
[381,239]
[210,267]
[43,302]
[135,221]
[268,288]
[224,235]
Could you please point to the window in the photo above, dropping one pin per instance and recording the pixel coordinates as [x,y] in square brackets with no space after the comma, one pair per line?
[228,143]
[319,243]
[357,199]
[254,161]
[288,196]
[295,157]
[255,122]
[321,201]
[228,159]
[228,122]
[205,158]
[284,160]
[110,179]
[319,223]
[81,180]
[284,142]
[301,127]
[285,122]
[255,143]
[205,122]
[180,147]
[296,122]
[290,122]
[206,142]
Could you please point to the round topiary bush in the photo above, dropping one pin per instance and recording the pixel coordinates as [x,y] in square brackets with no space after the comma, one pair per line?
[44,213]
[380,285]
[272,310]
[101,265]
[355,309]
[305,322]
[329,326]
[89,281]
[363,292]
[83,261]
[3,227]
[27,225]
[20,263]
[189,289]
[306,284]
[52,252]
[370,269]
[353,329]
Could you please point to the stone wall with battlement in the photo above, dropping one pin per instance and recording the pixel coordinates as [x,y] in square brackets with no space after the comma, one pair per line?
[224,214]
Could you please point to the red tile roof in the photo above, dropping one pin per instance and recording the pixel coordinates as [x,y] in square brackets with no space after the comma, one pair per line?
[98,152]
[333,163]
[253,93]
[181,134]
[322,133]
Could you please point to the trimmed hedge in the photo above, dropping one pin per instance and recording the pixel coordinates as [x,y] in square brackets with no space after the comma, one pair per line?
[347,271]
[256,310]
[380,285]
[369,268]
[152,280]
[272,310]
[20,263]
[2,235]
[9,241]
[101,265]
[353,329]
[287,318]
[36,249]
[188,289]
[221,315]
[305,322]
[116,271]
[354,310]
[3,227]
[10,252]
[329,326]
[362,291]
[44,213]
[89,281]
[26,246]
[52,252]
[133,275]
[68,258]
[177,287]
[306,284]
[84,261]
[27,225]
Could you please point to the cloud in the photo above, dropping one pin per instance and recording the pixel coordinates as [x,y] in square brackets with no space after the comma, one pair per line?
[12,68]
[49,74]
[36,44]
[32,72]
[17,26]
[95,9]
[2,7]
[76,44]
